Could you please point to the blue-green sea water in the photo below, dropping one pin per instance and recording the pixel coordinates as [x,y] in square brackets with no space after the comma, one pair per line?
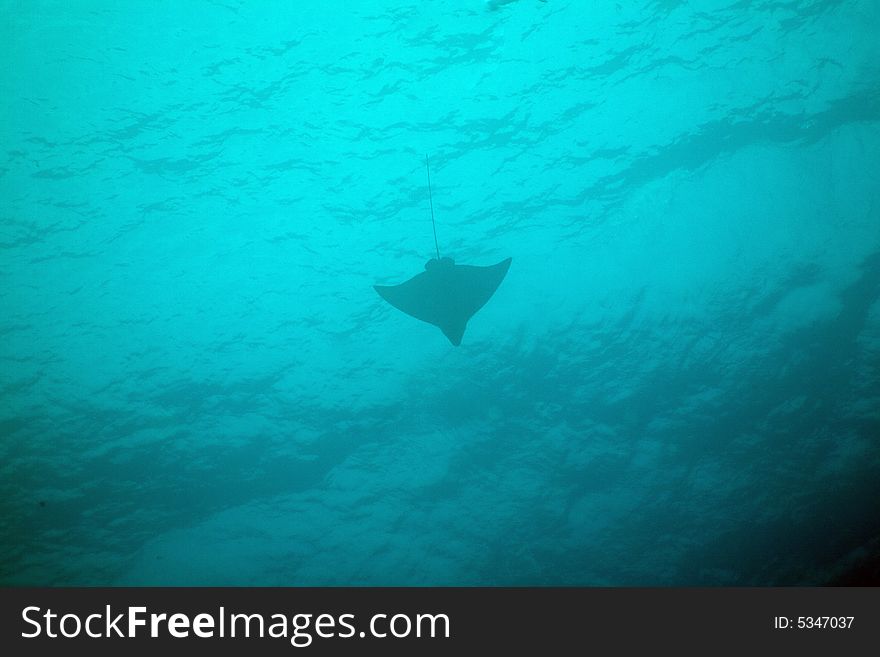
[677,383]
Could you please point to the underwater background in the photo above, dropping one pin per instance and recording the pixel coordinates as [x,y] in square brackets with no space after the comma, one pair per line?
[677,383]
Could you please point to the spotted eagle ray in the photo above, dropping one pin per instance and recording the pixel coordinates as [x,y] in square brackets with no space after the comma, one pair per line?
[445,294]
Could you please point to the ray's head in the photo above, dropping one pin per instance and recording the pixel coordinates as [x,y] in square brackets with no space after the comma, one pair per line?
[434,263]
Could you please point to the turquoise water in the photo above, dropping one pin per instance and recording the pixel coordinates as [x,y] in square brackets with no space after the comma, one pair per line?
[677,383]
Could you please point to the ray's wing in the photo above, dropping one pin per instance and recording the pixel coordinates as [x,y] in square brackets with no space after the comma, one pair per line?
[414,297]
[476,285]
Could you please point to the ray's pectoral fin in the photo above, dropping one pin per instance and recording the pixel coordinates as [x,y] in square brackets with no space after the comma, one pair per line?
[478,284]
[445,294]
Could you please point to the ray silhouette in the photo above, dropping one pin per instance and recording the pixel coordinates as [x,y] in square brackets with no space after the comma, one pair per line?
[445,294]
